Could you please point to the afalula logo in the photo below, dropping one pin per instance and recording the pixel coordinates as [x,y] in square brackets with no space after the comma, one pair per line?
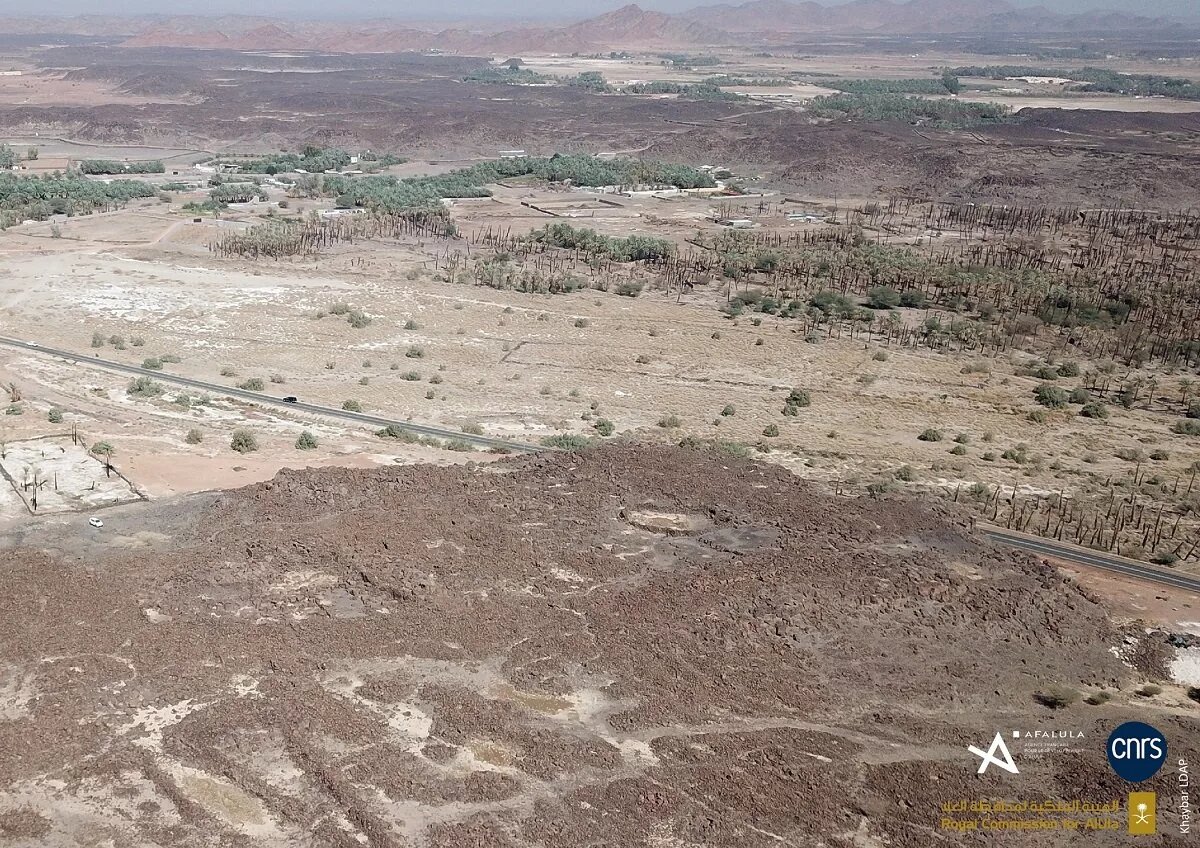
[1048,734]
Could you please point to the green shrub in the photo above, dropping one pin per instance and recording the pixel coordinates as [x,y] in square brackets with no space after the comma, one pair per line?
[410,376]
[669,422]
[1095,409]
[771,430]
[582,322]
[352,406]
[228,372]
[254,384]
[958,450]
[604,427]
[1068,369]
[243,441]
[880,356]
[905,473]
[415,352]
[306,441]
[194,437]
[1082,396]
[358,319]
[1187,427]
[1050,396]
[930,435]
[567,441]
[144,387]
[152,364]
[410,324]
[883,297]
[55,416]
[728,410]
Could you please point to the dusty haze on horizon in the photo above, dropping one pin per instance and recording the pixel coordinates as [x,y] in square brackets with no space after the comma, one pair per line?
[499,10]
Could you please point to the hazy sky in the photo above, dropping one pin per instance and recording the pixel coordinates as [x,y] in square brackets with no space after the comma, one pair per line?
[521,9]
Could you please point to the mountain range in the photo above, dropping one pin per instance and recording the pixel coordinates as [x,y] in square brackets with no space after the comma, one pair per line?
[757,22]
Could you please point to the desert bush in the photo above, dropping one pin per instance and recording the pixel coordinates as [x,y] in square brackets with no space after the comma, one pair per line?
[410,324]
[958,450]
[228,372]
[55,416]
[152,363]
[278,379]
[137,341]
[668,422]
[1068,369]
[1082,396]
[1187,427]
[339,309]
[642,359]
[415,352]
[566,441]
[144,387]
[604,427]
[410,376]
[1095,409]
[194,436]
[582,322]
[1056,697]
[771,430]
[254,384]
[1149,690]
[930,434]
[1160,455]
[430,395]
[880,356]
[1050,396]
[306,441]
[734,449]
[883,297]
[472,428]
[97,339]
[352,406]
[243,441]
[358,319]
[629,289]
[728,410]
[905,473]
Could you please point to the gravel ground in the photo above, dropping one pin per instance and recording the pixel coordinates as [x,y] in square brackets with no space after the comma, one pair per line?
[631,646]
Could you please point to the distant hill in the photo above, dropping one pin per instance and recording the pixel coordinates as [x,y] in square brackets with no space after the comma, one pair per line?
[752,23]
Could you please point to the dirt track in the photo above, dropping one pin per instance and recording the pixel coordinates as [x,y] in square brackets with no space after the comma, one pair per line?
[630,646]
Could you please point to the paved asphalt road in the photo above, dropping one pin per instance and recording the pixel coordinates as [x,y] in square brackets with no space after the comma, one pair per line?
[1095,559]
[268,400]
[1034,545]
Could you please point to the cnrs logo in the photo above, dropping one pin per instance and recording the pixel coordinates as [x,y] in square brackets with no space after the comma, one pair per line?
[1136,751]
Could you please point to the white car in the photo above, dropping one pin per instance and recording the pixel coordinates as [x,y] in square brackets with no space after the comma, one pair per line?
[95,522]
